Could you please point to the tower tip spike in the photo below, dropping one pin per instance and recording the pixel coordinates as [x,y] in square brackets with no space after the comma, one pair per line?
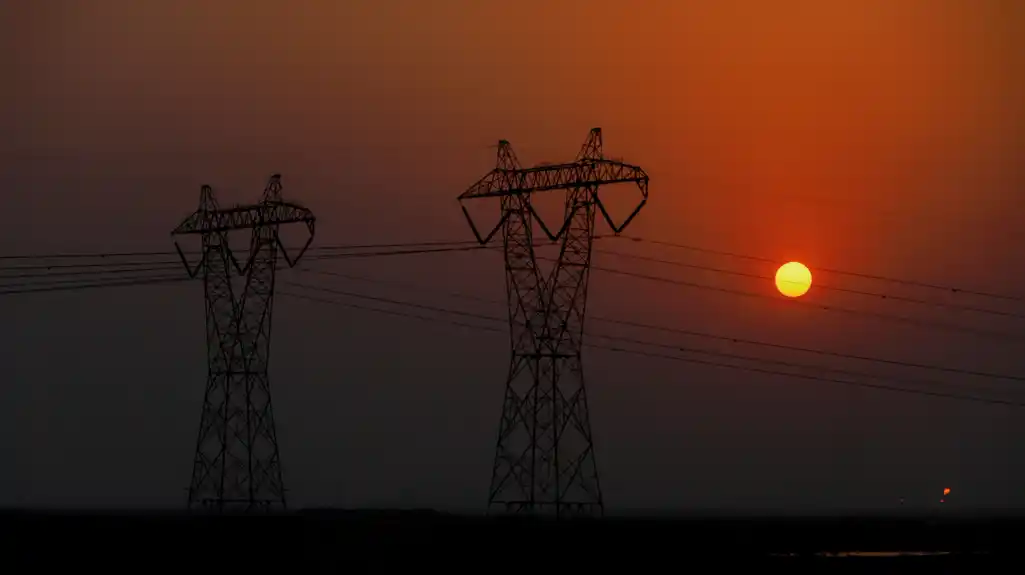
[207,201]
[506,157]
[272,193]
[592,148]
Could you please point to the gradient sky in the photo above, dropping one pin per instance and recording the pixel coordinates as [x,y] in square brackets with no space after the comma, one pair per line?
[878,136]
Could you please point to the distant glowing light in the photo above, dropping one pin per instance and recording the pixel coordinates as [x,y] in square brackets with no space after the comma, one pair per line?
[793,279]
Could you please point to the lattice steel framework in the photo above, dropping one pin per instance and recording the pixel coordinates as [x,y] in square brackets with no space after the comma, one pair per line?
[237,464]
[544,460]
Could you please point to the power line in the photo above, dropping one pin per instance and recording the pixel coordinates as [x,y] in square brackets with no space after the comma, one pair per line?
[426,307]
[866,313]
[815,351]
[389,311]
[781,363]
[429,243]
[75,285]
[412,285]
[442,246]
[84,255]
[99,268]
[100,272]
[90,265]
[107,268]
[32,287]
[78,285]
[624,339]
[877,315]
[393,252]
[902,281]
[445,246]
[939,394]
[817,285]
[484,317]
[177,262]
[109,255]
[686,332]
[27,288]
[436,309]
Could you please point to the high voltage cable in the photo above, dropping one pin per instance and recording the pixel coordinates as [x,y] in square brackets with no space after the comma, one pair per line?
[44,272]
[430,245]
[31,287]
[876,277]
[469,245]
[433,243]
[610,348]
[78,285]
[816,285]
[113,268]
[661,279]
[436,309]
[877,315]
[177,262]
[102,268]
[393,252]
[101,272]
[84,255]
[687,332]
[815,351]
[74,285]
[823,379]
[91,265]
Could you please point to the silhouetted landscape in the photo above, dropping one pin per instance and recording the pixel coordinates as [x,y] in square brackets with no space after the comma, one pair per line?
[865,539]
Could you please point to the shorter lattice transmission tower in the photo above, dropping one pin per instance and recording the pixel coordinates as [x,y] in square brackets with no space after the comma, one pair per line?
[237,465]
[544,461]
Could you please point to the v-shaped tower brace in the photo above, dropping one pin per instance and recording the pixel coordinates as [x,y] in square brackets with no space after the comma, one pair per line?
[237,466]
[544,460]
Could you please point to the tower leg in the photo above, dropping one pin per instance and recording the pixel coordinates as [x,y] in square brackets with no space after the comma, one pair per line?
[236,466]
[265,483]
[574,470]
[513,484]
[208,471]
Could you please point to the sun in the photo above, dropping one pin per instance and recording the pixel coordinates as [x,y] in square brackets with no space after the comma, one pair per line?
[793,279]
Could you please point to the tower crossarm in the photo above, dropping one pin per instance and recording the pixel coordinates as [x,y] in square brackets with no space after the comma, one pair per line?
[588,172]
[584,174]
[271,212]
[245,217]
[580,174]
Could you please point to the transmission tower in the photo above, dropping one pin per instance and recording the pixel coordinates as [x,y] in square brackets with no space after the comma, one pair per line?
[237,465]
[544,461]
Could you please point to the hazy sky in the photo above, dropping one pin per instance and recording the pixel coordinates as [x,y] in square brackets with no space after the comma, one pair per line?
[879,136]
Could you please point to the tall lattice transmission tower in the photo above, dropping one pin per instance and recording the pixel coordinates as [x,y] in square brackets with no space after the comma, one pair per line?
[544,461]
[237,465]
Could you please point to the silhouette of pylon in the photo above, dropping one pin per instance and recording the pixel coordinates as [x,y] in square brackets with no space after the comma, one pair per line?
[237,464]
[544,458]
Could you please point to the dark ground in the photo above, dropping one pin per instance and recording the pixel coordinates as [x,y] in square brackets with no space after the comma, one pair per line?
[351,539]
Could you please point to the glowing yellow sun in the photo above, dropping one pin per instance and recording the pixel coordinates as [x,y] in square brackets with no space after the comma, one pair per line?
[793,279]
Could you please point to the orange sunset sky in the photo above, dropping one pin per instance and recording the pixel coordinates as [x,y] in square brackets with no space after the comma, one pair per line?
[877,136]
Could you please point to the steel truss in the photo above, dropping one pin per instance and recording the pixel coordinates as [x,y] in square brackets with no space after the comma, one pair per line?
[237,465]
[544,460]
